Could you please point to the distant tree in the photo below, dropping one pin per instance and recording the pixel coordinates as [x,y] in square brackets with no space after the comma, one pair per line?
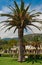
[37,43]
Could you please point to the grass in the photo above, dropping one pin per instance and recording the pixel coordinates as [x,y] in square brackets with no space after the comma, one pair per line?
[12,61]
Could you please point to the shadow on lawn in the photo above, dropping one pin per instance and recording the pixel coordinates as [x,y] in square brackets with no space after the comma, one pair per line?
[34,60]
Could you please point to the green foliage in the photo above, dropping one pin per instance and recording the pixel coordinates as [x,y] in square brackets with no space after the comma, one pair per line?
[6,55]
[33,37]
[7,44]
[3,43]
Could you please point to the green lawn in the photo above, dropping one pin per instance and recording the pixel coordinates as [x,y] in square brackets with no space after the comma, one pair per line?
[12,61]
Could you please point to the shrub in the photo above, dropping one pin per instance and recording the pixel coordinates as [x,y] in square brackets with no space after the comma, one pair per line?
[6,55]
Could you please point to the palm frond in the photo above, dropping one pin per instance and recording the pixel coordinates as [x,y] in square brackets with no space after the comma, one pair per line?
[31,11]
[7,15]
[4,24]
[27,7]
[4,27]
[10,22]
[9,28]
[25,29]
[15,29]
[22,5]
[35,26]
[37,20]
[16,6]
[5,21]
[30,28]
[10,8]
[36,14]
[1,22]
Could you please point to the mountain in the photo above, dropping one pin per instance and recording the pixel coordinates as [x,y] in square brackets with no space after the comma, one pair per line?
[29,37]
[9,39]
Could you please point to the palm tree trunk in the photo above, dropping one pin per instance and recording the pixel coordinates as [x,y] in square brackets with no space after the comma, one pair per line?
[21,49]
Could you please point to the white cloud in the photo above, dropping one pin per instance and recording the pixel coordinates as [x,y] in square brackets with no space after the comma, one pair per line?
[38,7]
[8,34]
[1,11]
[39,17]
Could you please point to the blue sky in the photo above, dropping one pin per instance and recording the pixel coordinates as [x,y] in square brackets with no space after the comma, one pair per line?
[35,4]
[7,2]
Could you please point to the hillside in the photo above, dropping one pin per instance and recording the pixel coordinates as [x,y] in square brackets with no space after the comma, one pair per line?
[31,36]
[27,37]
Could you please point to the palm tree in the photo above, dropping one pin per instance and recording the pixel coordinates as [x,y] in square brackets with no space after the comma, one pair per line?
[37,43]
[21,18]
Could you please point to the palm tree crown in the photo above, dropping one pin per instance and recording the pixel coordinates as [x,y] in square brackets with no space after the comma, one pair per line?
[20,16]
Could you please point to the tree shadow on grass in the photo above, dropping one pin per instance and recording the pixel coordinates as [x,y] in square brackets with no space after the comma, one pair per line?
[34,60]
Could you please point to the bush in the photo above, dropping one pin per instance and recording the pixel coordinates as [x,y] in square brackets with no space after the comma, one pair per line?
[34,56]
[0,55]
[6,55]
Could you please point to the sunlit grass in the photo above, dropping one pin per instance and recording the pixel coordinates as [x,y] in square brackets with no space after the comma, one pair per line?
[12,61]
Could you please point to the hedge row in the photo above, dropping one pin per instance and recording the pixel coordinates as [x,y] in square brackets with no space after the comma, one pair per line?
[8,55]
[29,55]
